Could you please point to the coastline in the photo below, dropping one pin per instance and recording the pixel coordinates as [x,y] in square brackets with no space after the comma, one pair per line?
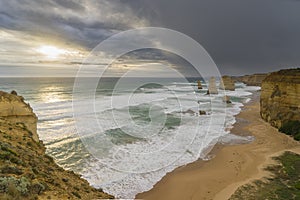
[233,165]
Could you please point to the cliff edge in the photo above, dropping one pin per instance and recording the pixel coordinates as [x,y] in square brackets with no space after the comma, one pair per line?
[26,172]
[280,100]
[251,80]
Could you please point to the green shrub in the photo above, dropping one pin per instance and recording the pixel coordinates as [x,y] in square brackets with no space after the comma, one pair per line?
[291,128]
[283,185]
[14,186]
[76,194]
[297,137]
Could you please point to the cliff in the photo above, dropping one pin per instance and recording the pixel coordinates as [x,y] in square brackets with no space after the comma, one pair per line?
[26,172]
[252,80]
[227,83]
[14,109]
[280,97]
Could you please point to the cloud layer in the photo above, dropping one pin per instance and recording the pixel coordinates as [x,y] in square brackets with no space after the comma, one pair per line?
[242,36]
[80,24]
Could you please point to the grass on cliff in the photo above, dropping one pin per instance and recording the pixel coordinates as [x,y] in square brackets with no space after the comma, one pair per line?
[26,172]
[291,128]
[283,185]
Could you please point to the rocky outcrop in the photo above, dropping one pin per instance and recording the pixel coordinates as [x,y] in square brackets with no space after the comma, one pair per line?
[199,84]
[252,80]
[26,172]
[15,110]
[212,88]
[226,99]
[280,97]
[227,83]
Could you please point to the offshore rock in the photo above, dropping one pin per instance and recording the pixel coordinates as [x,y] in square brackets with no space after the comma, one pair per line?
[199,84]
[212,88]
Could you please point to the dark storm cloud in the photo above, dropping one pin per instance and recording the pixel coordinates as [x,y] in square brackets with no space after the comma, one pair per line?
[242,36]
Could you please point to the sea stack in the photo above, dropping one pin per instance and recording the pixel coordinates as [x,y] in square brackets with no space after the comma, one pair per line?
[199,84]
[14,110]
[227,83]
[226,99]
[212,88]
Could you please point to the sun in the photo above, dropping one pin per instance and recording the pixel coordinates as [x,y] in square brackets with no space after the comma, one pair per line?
[51,51]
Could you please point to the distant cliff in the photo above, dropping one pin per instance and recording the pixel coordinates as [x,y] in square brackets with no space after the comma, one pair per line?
[280,100]
[227,83]
[26,172]
[252,80]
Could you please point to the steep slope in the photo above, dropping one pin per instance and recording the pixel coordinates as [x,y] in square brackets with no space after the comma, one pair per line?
[280,98]
[26,172]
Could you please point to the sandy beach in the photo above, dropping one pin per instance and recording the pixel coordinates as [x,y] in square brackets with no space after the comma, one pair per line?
[233,166]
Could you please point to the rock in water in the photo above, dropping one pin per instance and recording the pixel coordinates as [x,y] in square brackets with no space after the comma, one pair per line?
[199,84]
[227,83]
[202,112]
[280,97]
[212,88]
[226,99]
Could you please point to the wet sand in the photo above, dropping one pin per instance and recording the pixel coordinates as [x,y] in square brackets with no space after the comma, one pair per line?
[233,165]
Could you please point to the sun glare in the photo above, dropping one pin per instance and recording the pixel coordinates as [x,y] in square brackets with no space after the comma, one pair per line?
[51,51]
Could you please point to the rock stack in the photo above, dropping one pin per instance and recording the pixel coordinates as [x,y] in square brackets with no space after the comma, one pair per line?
[212,88]
[227,83]
[199,84]
[226,99]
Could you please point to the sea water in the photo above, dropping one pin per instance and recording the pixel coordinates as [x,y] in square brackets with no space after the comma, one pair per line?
[125,164]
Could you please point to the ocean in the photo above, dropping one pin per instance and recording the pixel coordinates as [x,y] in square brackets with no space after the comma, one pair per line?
[131,139]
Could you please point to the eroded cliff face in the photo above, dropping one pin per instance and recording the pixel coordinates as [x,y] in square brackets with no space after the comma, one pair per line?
[252,80]
[26,172]
[280,97]
[15,110]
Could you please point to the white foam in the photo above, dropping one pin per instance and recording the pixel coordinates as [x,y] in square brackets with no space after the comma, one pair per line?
[133,168]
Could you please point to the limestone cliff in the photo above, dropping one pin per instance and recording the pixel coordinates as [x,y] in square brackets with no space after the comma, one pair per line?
[252,80]
[227,83]
[280,97]
[26,172]
[13,108]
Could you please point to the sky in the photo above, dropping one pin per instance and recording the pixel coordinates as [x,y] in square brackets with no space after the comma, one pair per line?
[242,37]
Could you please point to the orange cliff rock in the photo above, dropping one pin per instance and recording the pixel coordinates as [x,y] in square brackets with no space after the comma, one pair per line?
[280,97]
[14,109]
